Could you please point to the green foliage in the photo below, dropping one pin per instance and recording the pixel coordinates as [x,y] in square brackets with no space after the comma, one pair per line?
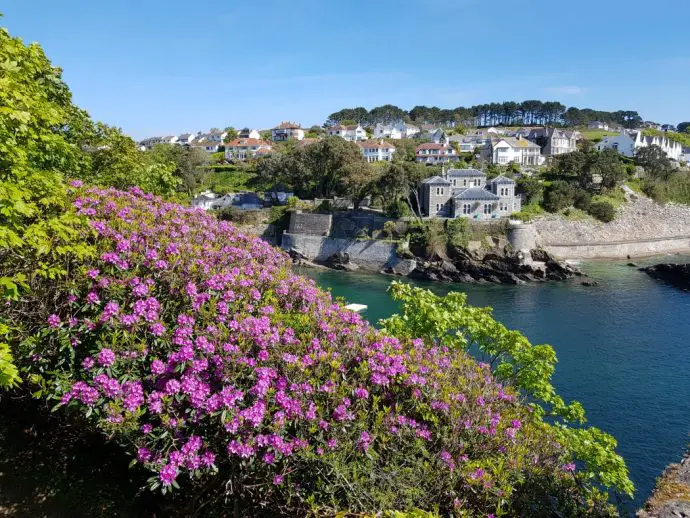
[674,189]
[603,211]
[450,322]
[457,232]
[531,188]
[9,374]
[397,209]
[586,169]
[682,136]
[655,162]
[558,196]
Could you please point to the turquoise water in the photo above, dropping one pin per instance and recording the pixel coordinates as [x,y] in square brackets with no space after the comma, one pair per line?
[623,349]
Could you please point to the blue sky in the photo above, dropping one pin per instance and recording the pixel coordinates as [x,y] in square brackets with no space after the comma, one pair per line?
[154,67]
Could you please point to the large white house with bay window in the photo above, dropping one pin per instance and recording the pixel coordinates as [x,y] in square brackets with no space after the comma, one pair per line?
[513,150]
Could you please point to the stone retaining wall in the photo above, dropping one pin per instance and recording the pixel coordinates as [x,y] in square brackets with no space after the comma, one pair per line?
[310,224]
[641,228]
[369,254]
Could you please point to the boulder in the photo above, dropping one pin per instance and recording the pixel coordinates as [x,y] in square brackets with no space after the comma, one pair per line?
[341,261]
[403,267]
[677,275]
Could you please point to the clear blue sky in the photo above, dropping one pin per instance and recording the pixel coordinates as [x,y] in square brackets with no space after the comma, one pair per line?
[155,67]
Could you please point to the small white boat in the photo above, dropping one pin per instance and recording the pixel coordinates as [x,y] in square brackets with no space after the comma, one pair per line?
[357,308]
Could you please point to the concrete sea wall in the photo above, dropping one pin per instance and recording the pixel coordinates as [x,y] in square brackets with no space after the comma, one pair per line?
[369,254]
[619,249]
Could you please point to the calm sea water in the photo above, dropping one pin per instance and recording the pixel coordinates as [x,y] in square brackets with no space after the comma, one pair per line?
[623,349]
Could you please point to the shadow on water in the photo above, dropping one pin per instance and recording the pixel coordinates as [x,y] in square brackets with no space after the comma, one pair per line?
[623,349]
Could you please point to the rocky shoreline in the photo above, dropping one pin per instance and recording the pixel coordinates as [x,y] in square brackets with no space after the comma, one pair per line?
[498,266]
[677,275]
[671,496]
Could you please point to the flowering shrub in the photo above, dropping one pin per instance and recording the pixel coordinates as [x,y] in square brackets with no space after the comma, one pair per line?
[231,378]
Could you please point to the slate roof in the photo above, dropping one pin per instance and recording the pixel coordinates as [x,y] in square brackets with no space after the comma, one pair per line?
[436,180]
[476,193]
[502,180]
[465,172]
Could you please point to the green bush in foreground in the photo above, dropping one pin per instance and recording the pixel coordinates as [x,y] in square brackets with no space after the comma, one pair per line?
[603,211]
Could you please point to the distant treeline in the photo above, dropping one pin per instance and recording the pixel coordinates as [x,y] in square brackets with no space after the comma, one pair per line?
[494,114]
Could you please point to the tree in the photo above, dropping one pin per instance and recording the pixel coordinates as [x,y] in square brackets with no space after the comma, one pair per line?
[231,134]
[608,166]
[400,180]
[531,188]
[189,164]
[357,180]
[558,196]
[683,127]
[386,114]
[654,161]
[40,144]
[324,160]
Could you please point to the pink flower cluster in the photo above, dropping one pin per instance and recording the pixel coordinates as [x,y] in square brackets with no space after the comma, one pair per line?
[223,357]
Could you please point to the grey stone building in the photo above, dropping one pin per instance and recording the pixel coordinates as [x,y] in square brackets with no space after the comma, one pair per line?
[465,193]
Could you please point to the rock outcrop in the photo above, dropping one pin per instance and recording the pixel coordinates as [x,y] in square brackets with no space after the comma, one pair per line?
[677,275]
[500,266]
[671,496]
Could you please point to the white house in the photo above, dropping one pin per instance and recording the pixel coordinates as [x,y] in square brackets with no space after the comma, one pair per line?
[148,143]
[628,143]
[212,136]
[248,133]
[287,131]
[432,153]
[207,145]
[185,139]
[598,125]
[513,150]
[245,148]
[395,131]
[377,150]
[352,133]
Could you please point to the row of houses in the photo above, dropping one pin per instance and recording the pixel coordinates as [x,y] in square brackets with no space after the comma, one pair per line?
[246,148]
[627,143]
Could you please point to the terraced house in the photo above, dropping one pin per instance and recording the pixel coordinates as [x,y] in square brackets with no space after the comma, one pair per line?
[465,193]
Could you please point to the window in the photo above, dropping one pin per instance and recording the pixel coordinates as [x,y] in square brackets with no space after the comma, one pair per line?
[454,182]
[438,207]
[464,183]
[477,182]
[487,208]
[467,208]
